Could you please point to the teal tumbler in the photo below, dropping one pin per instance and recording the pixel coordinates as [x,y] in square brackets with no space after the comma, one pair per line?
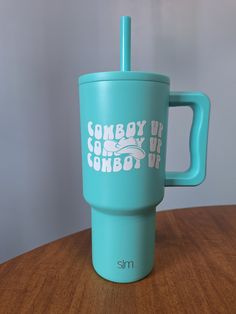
[124,119]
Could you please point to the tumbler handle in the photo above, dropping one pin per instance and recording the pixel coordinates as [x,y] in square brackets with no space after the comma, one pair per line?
[200,105]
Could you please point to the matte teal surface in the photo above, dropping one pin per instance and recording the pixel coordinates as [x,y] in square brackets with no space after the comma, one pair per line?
[123,245]
[200,105]
[123,214]
[112,102]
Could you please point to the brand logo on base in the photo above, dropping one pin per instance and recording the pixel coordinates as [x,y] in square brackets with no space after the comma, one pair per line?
[125,264]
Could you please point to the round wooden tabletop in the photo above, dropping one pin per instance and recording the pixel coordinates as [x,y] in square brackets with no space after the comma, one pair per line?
[195,271]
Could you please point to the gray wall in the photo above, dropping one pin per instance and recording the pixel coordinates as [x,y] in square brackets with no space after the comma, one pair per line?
[45,45]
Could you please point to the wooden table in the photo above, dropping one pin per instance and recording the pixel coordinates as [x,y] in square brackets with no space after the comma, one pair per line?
[195,272]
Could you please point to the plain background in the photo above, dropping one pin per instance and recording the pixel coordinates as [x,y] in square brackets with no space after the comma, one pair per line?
[45,45]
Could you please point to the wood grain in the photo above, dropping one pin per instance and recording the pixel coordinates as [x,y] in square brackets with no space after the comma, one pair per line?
[195,272]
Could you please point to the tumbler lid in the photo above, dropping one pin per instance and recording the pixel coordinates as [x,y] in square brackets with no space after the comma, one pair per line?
[124,76]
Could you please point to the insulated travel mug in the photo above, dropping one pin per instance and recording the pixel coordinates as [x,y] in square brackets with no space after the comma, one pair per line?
[123,119]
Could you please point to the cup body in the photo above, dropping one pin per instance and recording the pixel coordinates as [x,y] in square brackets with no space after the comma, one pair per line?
[123,120]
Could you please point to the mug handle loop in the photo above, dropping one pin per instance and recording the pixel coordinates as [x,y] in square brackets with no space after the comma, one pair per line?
[200,105]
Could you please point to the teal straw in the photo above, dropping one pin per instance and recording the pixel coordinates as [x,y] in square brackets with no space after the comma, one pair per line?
[125,39]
